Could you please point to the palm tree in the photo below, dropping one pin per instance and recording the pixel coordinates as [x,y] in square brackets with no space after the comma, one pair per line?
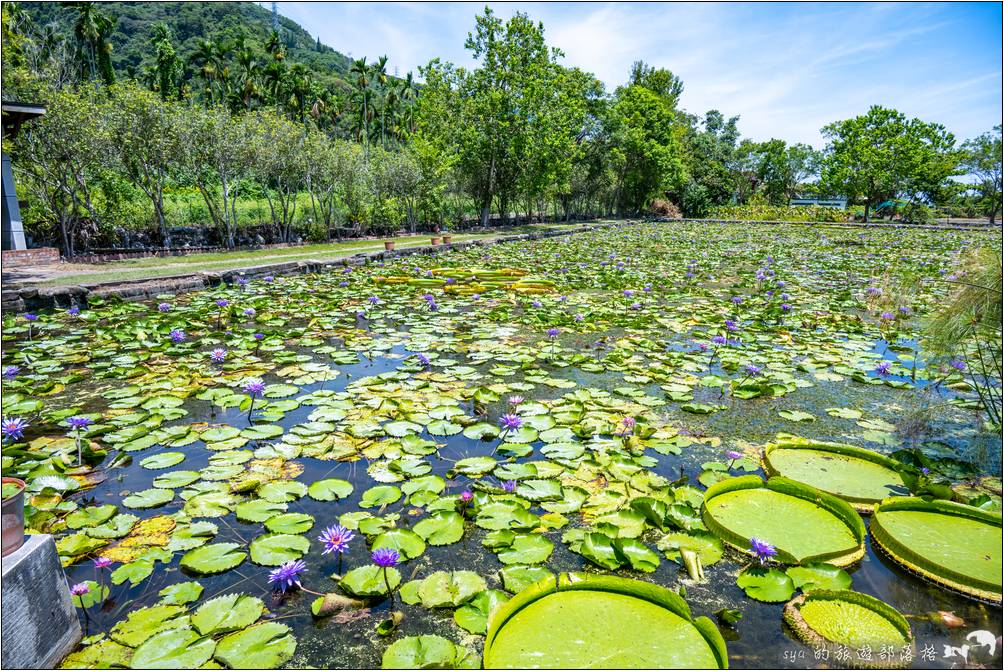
[248,71]
[274,46]
[408,94]
[91,28]
[360,72]
[204,57]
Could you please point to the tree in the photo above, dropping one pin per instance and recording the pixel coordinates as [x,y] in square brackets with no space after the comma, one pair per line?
[91,29]
[642,127]
[60,156]
[660,81]
[280,164]
[166,63]
[881,155]
[146,140]
[218,151]
[780,169]
[500,116]
[982,159]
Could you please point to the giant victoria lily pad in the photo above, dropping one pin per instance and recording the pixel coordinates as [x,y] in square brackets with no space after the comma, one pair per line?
[804,524]
[860,477]
[575,620]
[834,619]
[951,544]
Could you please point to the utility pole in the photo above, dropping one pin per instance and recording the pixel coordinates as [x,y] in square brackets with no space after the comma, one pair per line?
[275,16]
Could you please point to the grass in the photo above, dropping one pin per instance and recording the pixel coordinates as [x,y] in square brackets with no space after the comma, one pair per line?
[154,267]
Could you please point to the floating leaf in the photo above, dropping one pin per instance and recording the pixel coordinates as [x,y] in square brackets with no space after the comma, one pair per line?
[267,645]
[213,558]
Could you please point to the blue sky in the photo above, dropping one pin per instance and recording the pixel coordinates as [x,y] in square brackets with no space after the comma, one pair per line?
[786,69]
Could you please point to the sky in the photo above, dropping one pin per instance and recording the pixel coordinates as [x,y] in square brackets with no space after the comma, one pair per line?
[786,69]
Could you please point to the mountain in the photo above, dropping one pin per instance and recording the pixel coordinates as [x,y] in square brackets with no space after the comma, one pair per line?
[191,22]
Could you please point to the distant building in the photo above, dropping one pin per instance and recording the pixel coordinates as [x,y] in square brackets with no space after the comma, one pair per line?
[835,203]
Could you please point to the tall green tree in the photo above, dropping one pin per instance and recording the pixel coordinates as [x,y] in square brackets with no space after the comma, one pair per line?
[981,158]
[145,137]
[882,155]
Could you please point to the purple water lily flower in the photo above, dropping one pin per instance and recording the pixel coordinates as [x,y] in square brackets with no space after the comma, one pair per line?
[887,316]
[222,302]
[553,332]
[79,589]
[30,317]
[763,550]
[10,372]
[732,455]
[752,370]
[883,368]
[785,307]
[249,312]
[287,575]
[73,311]
[510,422]
[253,387]
[177,336]
[218,355]
[79,422]
[336,539]
[259,336]
[957,365]
[516,400]
[423,359]
[718,340]
[13,427]
[385,557]
[374,300]
[102,562]
[466,496]
[509,486]
[164,307]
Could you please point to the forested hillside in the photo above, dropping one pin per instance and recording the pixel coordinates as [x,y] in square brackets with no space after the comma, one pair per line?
[191,23]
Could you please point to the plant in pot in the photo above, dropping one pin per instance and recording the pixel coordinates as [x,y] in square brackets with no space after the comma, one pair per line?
[388,245]
[447,237]
[435,240]
[13,514]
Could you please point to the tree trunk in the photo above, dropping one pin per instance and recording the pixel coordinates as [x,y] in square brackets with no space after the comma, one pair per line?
[486,210]
[165,237]
[867,210]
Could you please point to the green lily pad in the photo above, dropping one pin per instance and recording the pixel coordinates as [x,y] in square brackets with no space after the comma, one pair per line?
[148,498]
[330,489]
[276,549]
[527,549]
[819,576]
[90,516]
[379,496]
[282,491]
[258,510]
[369,580]
[859,476]
[267,645]
[804,524]
[834,619]
[290,523]
[428,652]
[473,616]
[227,613]
[448,589]
[173,649]
[948,543]
[213,558]
[576,619]
[141,624]
[766,584]
[162,460]
[180,593]
[441,528]
[408,543]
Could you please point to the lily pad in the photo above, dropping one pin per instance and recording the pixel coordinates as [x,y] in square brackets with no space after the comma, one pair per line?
[859,476]
[802,523]
[369,580]
[330,489]
[276,549]
[766,584]
[213,558]
[575,619]
[441,528]
[267,645]
[834,619]
[428,652]
[947,543]
[174,649]
[227,613]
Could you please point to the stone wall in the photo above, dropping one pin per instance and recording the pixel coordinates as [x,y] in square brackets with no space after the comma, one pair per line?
[40,256]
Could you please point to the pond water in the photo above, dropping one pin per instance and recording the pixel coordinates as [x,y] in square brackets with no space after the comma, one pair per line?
[635,314]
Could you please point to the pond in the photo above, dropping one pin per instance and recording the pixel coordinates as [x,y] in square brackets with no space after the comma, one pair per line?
[503,413]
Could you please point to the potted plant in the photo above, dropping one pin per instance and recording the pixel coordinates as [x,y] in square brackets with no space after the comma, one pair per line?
[447,237]
[13,514]
[388,245]
[435,240]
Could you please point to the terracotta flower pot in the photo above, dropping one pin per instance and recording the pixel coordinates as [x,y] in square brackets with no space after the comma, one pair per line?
[435,240]
[13,517]
[447,239]
[388,245]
